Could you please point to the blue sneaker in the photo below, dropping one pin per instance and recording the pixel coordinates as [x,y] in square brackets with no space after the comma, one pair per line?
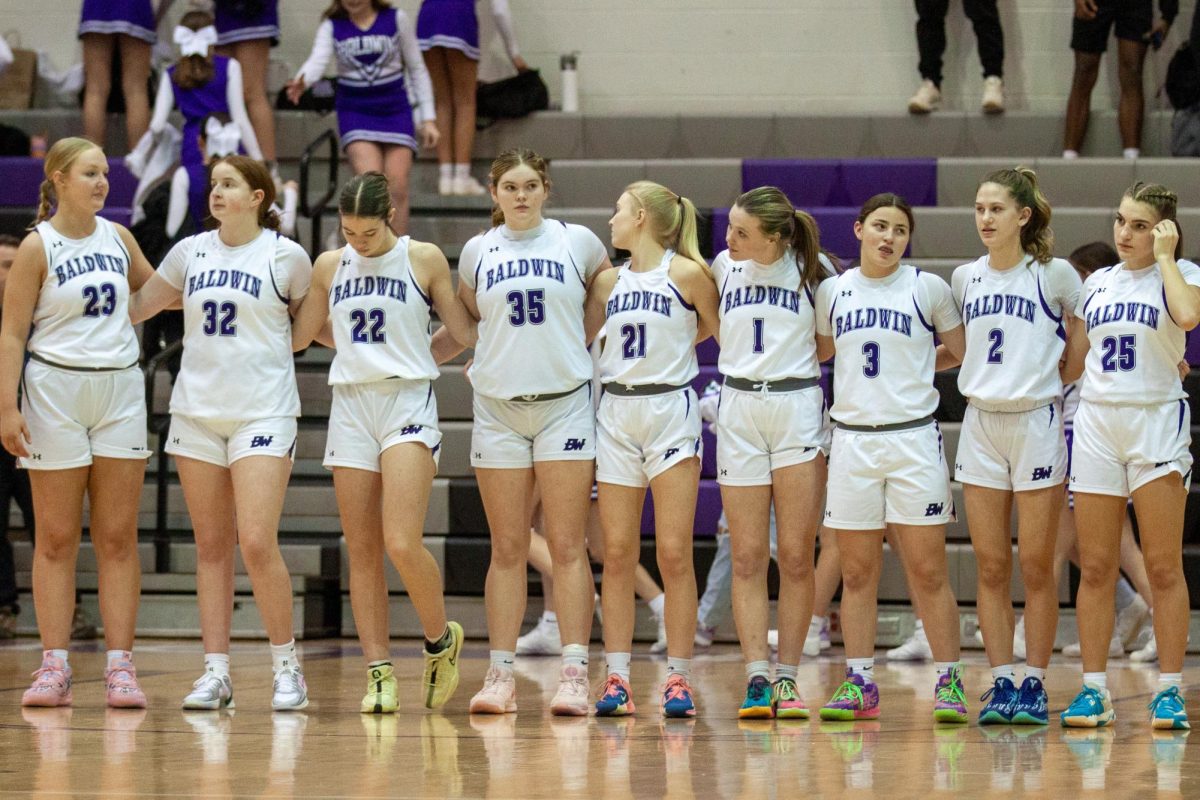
[1091,708]
[1167,711]
[999,709]
[677,697]
[757,704]
[1031,706]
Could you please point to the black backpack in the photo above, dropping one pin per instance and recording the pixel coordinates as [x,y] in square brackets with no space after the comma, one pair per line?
[1183,77]
[513,97]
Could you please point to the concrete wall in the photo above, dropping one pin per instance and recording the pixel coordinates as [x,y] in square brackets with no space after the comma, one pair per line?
[717,56]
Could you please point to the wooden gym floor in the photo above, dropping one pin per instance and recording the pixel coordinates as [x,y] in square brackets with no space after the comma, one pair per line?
[331,750]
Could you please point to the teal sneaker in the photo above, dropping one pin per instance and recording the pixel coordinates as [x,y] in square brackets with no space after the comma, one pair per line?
[1032,706]
[949,699]
[1167,711]
[1091,708]
[1001,703]
[757,704]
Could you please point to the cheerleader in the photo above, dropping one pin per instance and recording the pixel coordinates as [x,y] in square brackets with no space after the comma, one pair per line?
[246,32]
[649,427]
[773,432]
[1012,448]
[106,27]
[379,68]
[1132,434]
[525,281]
[81,426]
[448,32]
[886,466]
[233,414]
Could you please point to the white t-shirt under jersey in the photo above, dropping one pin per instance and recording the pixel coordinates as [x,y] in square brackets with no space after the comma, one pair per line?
[380,317]
[883,329]
[530,288]
[1014,329]
[237,332]
[767,318]
[82,314]
[1135,345]
[650,331]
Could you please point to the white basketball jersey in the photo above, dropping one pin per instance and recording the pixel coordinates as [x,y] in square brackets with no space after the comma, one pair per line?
[767,319]
[380,319]
[530,292]
[1014,329]
[883,329]
[82,314]
[650,331]
[237,333]
[1135,345]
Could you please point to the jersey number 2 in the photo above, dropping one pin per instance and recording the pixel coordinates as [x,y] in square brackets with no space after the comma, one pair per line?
[99,301]
[996,337]
[359,319]
[219,318]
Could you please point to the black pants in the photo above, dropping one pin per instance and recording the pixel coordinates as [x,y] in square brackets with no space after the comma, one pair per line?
[931,36]
[14,485]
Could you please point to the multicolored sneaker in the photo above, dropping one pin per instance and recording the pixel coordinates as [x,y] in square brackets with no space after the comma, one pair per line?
[121,686]
[616,700]
[498,695]
[1032,705]
[440,677]
[677,697]
[210,692]
[757,704]
[854,699]
[571,699]
[787,700]
[949,699]
[1091,708]
[1001,703]
[51,685]
[381,691]
[1167,711]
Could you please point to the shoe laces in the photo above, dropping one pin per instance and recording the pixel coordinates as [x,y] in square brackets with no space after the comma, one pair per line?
[1093,695]
[999,691]
[786,689]
[849,690]
[951,690]
[614,685]
[1167,694]
[677,688]
[493,679]
[288,679]
[758,689]
[49,675]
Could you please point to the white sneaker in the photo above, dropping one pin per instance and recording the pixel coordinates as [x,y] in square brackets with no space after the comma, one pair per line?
[290,692]
[1146,654]
[915,648]
[927,98]
[469,187]
[1115,648]
[542,640]
[210,692]
[660,644]
[993,95]
[812,642]
[704,635]
[773,639]
[571,700]
[445,186]
[1129,621]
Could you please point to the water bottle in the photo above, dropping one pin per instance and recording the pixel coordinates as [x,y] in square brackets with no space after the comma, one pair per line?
[570,82]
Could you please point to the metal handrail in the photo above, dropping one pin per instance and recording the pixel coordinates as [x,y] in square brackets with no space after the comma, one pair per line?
[162,541]
[315,211]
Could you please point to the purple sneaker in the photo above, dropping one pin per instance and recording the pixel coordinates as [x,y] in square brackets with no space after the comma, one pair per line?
[950,701]
[854,699]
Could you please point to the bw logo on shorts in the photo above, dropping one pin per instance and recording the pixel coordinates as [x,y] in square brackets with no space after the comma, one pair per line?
[261,441]
[934,509]
[411,430]
[574,445]
[1042,473]
[670,453]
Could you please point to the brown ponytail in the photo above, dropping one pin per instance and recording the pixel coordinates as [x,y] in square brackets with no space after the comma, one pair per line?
[1037,239]
[259,178]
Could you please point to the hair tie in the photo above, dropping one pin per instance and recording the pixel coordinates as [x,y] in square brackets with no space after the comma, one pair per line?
[679,199]
[195,43]
[221,139]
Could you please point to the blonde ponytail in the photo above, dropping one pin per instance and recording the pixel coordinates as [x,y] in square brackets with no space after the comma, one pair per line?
[61,156]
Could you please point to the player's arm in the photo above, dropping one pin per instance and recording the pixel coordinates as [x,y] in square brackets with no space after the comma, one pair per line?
[312,315]
[429,261]
[593,308]
[21,292]
[1076,351]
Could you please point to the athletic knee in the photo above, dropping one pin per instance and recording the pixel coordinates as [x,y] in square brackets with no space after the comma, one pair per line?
[750,562]
[258,551]
[797,567]
[509,554]
[860,576]
[1164,573]
[114,544]
[674,560]
[993,572]
[1037,574]
[927,579]
[52,545]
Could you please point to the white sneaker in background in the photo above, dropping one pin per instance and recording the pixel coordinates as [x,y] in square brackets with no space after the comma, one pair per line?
[1130,619]
[915,648]
[927,98]
[993,95]
[542,640]
[1146,654]
[468,187]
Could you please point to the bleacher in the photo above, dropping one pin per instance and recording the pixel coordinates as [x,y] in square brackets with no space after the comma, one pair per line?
[827,165]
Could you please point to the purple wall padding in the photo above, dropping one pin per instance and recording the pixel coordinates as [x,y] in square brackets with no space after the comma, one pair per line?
[21,177]
[844,182]
[835,223]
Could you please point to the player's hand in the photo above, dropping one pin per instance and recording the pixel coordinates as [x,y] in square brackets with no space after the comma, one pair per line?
[429,134]
[295,88]
[14,433]
[1166,238]
[1085,9]
[520,64]
[1184,369]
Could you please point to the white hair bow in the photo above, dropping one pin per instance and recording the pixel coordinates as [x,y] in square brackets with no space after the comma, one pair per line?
[221,140]
[195,43]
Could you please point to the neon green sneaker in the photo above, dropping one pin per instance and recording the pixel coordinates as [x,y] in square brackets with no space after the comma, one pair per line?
[381,691]
[441,669]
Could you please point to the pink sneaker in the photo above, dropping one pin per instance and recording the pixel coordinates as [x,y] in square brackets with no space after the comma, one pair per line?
[122,685]
[51,685]
[498,695]
[571,700]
